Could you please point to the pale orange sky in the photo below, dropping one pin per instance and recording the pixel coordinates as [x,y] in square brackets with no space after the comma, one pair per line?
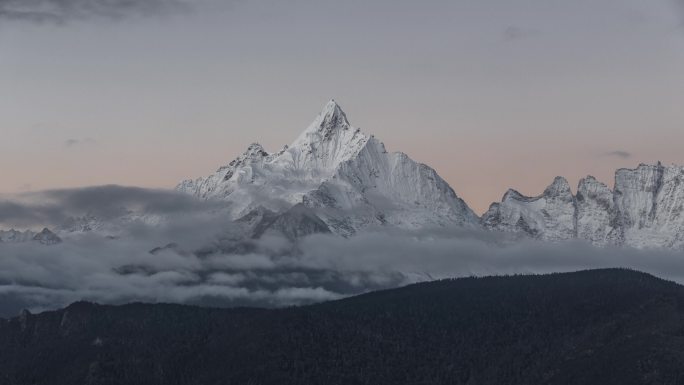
[492,94]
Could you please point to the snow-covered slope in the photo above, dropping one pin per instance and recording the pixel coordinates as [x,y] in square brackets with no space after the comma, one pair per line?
[650,203]
[341,176]
[597,215]
[549,216]
[16,236]
[45,237]
[645,209]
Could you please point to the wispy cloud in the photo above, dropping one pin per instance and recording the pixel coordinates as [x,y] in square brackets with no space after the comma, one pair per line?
[619,154]
[205,263]
[62,11]
[54,207]
[73,142]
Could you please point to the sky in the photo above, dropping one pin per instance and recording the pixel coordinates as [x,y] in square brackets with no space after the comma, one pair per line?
[493,94]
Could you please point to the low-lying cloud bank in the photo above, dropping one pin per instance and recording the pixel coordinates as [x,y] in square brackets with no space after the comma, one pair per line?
[207,263]
[111,202]
[62,11]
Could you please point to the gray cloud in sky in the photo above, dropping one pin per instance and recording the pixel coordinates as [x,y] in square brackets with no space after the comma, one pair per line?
[73,142]
[619,154]
[62,11]
[54,207]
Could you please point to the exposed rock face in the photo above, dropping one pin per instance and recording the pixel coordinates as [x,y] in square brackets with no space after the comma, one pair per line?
[344,178]
[645,209]
[297,222]
[15,236]
[597,216]
[45,237]
[549,216]
[650,203]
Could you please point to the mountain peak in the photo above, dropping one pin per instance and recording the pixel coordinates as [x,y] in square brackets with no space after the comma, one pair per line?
[332,116]
[332,130]
[47,237]
[347,178]
[255,150]
[331,119]
[512,194]
[332,108]
[558,187]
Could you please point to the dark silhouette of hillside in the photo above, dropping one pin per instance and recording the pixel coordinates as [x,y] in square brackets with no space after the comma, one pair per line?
[592,327]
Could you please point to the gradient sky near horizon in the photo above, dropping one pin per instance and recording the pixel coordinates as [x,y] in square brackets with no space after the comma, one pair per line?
[491,93]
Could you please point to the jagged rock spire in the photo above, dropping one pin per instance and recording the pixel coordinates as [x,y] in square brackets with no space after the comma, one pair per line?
[329,123]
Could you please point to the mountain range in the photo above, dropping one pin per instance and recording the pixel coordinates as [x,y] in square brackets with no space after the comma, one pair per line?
[45,237]
[334,178]
[644,209]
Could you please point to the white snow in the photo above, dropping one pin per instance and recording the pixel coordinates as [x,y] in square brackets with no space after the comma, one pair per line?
[344,175]
[45,236]
[549,216]
[645,210]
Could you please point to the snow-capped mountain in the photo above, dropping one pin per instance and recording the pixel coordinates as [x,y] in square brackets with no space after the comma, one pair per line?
[16,236]
[335,178]
[111,227]
[45,237]
[549,216]
[645,209]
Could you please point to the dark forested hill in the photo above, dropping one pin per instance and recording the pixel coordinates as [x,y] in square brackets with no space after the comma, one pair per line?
[593,327]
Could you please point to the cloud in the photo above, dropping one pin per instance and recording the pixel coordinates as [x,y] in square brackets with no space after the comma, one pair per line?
[56,207]
[72,142]
[619,154]
[277,272]
[206,261]
[62,11]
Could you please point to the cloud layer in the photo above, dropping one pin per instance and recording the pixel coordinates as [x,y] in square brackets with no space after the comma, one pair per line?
[619,154]
[74,142]
[195,256]
[57,207]
[62,11]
